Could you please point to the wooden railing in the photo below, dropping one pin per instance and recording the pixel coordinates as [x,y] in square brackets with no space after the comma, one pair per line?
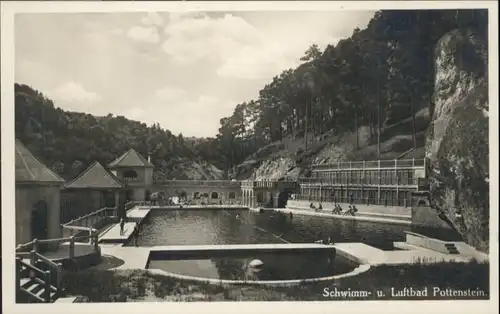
[52,276]
[89,221]
[44,277]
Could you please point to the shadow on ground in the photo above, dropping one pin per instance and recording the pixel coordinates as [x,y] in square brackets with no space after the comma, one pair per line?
[108,262]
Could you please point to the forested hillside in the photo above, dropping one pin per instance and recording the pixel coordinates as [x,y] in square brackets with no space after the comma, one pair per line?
[70,141]
[377,83]
[371,91]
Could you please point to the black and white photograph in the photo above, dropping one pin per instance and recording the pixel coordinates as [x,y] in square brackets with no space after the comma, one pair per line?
[178,152]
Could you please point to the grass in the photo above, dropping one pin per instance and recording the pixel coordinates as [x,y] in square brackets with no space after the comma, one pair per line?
[100,285]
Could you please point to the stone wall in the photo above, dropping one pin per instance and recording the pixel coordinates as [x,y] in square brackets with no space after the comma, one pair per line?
[223,193]
[26,197]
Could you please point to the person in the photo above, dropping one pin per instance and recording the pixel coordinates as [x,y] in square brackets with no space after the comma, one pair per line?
[329,242]
[136,233]
[122,225]
[320,207]
[312,206]
[291,216]
[354,209]
[347,212]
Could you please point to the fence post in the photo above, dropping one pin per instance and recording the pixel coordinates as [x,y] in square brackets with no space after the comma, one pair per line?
[71,247]
[47,286]
[35,245]
[58,276]
[96,241]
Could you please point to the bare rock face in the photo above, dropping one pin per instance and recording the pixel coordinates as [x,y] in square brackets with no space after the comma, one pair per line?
[277,169]
[457,141]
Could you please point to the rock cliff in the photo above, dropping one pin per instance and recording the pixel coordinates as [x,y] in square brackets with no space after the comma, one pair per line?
[457,140]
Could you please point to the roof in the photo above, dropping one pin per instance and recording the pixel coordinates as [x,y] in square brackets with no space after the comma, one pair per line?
[95,177]
[131,158]
[29,169]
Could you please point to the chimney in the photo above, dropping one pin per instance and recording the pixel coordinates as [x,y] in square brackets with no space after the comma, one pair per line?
[149,157]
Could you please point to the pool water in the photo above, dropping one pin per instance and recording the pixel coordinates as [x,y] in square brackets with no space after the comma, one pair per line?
[198,227]
[276,266]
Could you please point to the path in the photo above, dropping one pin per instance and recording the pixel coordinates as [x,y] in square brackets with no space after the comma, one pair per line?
[365,254]
[114,234]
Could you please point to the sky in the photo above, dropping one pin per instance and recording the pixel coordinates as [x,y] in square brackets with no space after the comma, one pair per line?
[184,71]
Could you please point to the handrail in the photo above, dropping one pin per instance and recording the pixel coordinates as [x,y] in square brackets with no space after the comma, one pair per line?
[44,275]
[80,228]
[69,225]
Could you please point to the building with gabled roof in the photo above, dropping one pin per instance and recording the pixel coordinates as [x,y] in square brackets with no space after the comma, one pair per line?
[130,159]
[94,188]
[137,173]
[95,177]
[38,196]
[30,170]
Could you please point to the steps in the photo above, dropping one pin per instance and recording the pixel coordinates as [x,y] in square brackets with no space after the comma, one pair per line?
[36,283]
[452,249]
[33,291]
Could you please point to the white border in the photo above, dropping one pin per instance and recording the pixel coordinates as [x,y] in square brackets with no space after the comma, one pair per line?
[8,169]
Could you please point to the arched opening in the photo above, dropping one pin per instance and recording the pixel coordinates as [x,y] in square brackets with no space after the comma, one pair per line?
[130,175]
[215,195]
[283,199]
[422,203]
[232,195]
[39,221]
[260,197]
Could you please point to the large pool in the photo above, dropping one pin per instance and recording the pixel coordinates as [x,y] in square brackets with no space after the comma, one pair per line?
[196,227]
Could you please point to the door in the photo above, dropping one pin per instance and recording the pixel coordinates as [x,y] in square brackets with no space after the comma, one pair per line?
[39,222]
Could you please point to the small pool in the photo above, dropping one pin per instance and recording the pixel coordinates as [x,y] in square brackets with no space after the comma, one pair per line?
[276,266]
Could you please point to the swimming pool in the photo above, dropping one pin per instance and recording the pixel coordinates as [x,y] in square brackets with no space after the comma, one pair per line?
[197,227]
[163,227]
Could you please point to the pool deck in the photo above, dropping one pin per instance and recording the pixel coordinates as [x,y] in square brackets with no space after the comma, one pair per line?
[241,207]
[137,257]
[370,217]
[114,234]
[133,257]
[243,247]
